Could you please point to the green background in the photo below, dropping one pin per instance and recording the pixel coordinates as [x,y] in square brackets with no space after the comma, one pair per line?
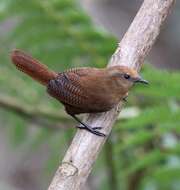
[142,151]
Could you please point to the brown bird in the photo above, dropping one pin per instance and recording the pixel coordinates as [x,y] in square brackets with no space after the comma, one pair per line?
[81,90]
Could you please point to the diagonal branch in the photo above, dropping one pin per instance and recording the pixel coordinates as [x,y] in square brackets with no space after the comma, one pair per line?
[132,50]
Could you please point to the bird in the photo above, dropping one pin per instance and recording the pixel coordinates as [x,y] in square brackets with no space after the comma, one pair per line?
[81,90]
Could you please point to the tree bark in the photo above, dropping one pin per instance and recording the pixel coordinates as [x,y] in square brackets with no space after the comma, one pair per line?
[132,50]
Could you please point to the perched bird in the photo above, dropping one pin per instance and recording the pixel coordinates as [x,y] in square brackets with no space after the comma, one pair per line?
[81,90]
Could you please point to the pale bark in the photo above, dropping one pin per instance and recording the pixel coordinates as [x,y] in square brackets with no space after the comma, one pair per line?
[132,50]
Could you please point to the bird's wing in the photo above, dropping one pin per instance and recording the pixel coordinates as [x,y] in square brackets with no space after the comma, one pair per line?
[67,88]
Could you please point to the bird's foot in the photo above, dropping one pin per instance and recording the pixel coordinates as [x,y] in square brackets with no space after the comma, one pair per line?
[88,128]
[94,130]
[125,99]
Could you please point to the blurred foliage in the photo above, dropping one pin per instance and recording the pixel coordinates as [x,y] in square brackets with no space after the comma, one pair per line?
[145,149]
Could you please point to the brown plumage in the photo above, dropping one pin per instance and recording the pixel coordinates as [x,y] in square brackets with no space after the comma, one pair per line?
[81,90]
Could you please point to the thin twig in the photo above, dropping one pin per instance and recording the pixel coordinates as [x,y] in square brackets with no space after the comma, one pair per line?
[132,50]
[27,111]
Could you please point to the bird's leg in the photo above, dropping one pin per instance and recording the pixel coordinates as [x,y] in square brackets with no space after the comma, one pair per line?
[88,128]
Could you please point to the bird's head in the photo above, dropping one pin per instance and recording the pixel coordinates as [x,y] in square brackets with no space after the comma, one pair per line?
[125,77]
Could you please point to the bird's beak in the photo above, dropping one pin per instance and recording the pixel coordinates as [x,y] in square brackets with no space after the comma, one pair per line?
[141,80]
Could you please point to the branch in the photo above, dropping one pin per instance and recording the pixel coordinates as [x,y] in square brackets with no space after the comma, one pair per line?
[40,117]
[13,105]
[37,116]
[26,111]
[132,50]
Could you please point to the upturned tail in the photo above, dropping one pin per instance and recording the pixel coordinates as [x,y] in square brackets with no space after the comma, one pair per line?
[32,67]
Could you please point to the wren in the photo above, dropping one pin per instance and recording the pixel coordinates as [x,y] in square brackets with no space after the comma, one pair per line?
[81,90]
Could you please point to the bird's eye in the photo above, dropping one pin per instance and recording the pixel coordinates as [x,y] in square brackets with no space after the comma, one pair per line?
[126,76]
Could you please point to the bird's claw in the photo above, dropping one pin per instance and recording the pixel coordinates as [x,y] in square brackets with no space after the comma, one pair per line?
[94,130]
[125,99]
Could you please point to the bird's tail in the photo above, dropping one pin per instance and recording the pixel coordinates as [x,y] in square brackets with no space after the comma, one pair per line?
[32,67]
